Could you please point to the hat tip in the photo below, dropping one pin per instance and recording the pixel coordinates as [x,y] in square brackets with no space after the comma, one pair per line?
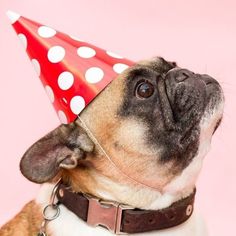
[13,16]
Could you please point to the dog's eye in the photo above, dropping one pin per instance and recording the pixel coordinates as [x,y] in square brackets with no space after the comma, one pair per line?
[144,89]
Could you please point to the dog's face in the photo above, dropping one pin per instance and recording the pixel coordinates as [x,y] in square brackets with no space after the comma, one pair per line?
[152,123]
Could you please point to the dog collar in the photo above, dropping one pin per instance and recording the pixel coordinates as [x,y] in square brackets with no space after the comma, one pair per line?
[122,219]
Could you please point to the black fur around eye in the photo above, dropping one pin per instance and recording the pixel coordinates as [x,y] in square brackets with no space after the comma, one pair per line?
[144,89]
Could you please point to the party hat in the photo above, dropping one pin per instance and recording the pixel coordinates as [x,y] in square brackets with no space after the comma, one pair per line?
[73,72]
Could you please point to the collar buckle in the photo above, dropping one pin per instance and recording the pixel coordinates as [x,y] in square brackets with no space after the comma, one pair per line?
[106,214]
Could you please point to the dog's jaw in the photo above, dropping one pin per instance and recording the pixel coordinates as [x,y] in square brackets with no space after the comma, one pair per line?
[108,182]
[184,184]
[180,187]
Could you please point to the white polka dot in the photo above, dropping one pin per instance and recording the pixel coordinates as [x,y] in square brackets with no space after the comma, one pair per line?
[13,16]
[77,104]
[62,117]
[46,32]
[65,80]
[36,66]
[112,54]
[23,40]
[75,38]
[120,67]
[50,93]
[86,52]
[56,54]
[94,75]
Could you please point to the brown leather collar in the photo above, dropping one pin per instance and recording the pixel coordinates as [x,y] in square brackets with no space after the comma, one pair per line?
[121,219]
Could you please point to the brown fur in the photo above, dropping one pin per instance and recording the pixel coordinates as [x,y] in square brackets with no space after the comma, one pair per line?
[83,177]
[25,223]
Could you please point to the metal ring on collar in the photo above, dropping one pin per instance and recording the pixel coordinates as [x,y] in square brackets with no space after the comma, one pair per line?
[52,207]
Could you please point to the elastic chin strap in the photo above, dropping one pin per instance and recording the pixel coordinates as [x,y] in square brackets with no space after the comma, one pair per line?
[94,139]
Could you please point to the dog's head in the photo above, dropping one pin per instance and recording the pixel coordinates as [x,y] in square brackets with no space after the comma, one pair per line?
[150,127]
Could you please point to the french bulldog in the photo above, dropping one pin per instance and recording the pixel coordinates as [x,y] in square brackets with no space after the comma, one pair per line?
[140,143]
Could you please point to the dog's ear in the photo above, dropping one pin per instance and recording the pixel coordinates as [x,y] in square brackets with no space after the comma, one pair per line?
[61,148]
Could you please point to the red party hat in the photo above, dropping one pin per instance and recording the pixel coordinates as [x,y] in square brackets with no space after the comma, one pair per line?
[72,71]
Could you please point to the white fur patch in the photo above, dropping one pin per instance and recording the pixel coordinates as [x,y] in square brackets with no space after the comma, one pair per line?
[185,183]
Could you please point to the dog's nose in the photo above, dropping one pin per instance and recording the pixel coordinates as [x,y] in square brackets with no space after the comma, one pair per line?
[182,79]
[181,75]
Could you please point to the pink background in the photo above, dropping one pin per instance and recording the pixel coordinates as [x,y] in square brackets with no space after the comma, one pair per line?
[199,35]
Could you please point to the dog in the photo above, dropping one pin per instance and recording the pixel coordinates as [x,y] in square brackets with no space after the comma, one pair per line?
[140,143]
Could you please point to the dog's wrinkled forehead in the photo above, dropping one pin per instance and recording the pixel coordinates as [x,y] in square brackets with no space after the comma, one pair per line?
[158,64]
